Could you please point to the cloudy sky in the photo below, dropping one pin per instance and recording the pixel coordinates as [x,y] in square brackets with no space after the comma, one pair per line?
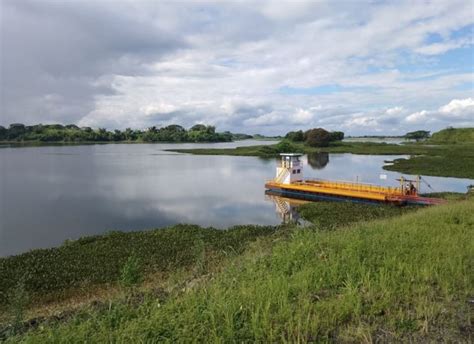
[257,67]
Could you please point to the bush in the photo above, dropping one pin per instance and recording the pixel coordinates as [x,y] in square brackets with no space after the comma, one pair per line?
[317,137]
[130,274]
[417,135]
[295,136]
[337,136]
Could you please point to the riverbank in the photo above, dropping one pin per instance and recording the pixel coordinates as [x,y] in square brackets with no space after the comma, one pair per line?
[442,160]
[56,274]
[404,278]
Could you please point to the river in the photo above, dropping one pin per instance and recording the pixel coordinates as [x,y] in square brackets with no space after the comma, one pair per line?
[49,194]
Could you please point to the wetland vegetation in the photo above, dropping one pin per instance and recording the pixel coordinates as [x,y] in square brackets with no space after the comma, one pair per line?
[356,272]
[449,153]
[406,277]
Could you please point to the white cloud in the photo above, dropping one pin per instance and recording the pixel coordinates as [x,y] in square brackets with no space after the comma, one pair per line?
[418,117]
[301,116]
[153,109]
[459,107]
[461,110]
[226,63]
[440,48]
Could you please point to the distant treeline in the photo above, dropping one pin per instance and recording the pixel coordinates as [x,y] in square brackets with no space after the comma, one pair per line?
[72,133]
[316,137]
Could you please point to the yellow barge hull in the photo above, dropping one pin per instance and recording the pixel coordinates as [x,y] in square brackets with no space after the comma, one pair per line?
[353,191]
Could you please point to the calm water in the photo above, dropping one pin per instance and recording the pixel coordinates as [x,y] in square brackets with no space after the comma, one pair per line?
[50,194]
[393,140]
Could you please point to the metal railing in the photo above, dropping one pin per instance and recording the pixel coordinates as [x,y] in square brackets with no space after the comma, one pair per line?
[356,186]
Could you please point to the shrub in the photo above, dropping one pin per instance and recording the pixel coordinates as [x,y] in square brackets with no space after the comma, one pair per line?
[130,274]
[317,137]
[295,136]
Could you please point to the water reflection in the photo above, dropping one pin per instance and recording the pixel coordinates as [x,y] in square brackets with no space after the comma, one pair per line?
[50,194]
[286,208]
[318,160]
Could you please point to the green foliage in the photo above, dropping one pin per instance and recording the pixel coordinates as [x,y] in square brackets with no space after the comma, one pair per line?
[417,135]
[336,135]
[331,215]
[453,135]
[3,133]
[101,259]
[281,147]
[453,160]
[18,302]
[238,136]
[444,160]
[295,136]
[404,279]
[131,274]
[317,137]
[18,132]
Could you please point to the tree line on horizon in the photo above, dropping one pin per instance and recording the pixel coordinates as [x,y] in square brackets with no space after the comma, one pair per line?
[316,137]
[73,133]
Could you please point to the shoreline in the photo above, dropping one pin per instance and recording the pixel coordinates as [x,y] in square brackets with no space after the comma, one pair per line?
[440,160]
[181,261]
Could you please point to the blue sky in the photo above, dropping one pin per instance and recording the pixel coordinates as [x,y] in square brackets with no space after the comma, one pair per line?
[257,67]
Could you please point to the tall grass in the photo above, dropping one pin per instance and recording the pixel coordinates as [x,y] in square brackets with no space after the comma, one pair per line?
[404,278]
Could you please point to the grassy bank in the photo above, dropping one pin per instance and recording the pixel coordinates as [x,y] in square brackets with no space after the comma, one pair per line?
[450,161]
[406,278]
[453,136]
[444,160]
[55,274]
[337,147]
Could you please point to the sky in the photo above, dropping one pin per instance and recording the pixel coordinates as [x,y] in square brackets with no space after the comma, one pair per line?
[365,68]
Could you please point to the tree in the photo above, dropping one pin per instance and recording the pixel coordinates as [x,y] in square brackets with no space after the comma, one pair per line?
[317,137]
[337,136]
[295,136]
[198,127]
[417,135]
[175,128]
[16,131]
[118,135]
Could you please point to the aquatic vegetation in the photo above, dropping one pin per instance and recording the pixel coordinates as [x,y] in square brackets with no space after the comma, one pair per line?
[330,215]
[407,278]
[49,273]
[444,160]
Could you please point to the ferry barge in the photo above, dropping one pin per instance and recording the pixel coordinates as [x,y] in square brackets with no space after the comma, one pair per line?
[289,182]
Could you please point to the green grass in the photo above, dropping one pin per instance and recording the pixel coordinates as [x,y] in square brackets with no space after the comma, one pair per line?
[453,135]
[337,147]
[407,278]
[444,161]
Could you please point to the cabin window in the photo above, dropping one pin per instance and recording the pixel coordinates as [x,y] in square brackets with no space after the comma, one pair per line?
[298,171]
[294,171]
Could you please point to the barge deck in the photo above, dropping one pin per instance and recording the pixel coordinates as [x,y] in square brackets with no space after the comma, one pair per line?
[289,182]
